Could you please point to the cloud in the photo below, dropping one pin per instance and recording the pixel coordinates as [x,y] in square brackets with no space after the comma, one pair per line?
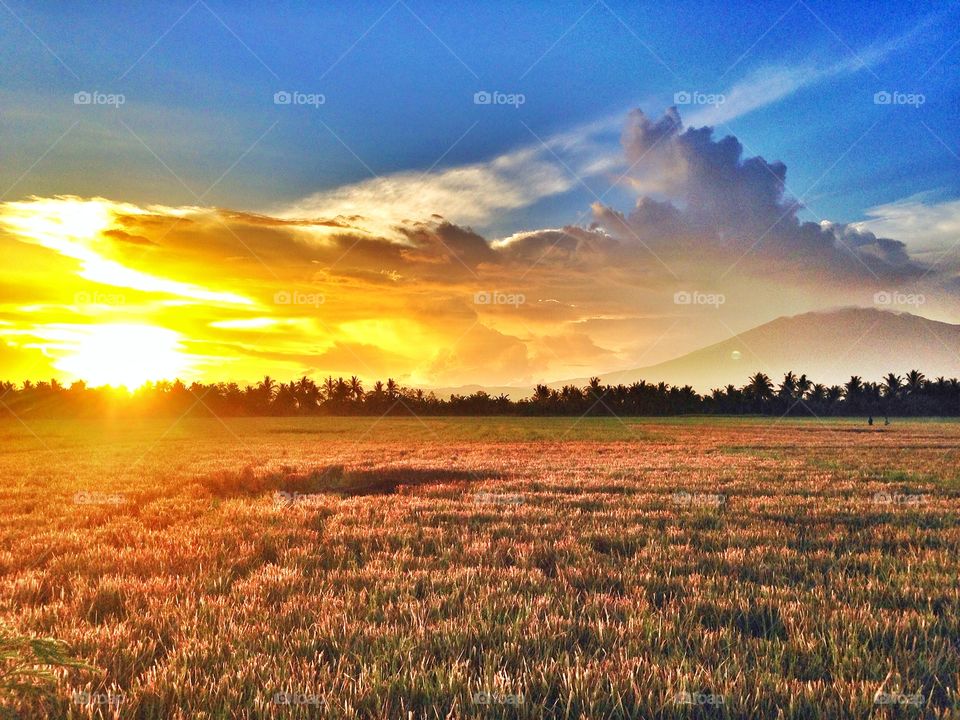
[248,293]
[760,88]
[483,352]
[930,229]
[737,207]
[75,229]
[473,194]
[468,194]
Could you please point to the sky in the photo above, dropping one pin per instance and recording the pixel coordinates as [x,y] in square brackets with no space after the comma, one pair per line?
[449,194]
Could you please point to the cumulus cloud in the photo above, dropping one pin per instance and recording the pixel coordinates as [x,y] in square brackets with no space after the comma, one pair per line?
[735,206]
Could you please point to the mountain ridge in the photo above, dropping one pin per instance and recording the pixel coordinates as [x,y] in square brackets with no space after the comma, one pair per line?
[828,345]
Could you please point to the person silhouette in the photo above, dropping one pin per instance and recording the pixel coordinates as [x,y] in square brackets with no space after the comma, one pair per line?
[870,420]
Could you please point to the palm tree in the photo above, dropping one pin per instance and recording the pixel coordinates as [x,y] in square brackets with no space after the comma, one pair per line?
[834,393]
[759,390]
[267,386]
[915,381]
[891,385]
[341,390]
[356,388]
[329,387]
[261,395]
[688,397]
[571,395]
[307,393]
[392,389]
[285,399]
[760,387]
[817,392]
[594,388]
[853,387]
[788,388]
[541,394]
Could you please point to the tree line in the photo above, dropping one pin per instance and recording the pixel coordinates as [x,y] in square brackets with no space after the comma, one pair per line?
[912,394]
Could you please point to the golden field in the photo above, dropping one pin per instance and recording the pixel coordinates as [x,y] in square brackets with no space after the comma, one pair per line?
[485,567]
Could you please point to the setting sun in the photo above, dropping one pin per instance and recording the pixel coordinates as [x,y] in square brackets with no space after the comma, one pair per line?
[122,355]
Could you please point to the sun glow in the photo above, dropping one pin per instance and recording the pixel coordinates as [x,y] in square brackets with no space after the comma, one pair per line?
[119,354]
[75,228]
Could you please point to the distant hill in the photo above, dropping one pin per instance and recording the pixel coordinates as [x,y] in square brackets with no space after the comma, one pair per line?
[828,346]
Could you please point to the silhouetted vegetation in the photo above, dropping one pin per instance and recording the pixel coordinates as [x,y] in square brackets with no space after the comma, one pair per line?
[912,394]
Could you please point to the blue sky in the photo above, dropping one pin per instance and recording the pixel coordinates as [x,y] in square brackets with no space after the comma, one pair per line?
[398,81]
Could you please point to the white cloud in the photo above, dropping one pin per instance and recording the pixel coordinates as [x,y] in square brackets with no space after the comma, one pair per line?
[759,89]
[926,228]
[476,193]
[468,194]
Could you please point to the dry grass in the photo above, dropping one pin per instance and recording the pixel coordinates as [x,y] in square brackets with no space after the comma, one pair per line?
[487,568]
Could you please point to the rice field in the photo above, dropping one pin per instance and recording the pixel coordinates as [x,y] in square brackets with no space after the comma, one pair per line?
[483,568]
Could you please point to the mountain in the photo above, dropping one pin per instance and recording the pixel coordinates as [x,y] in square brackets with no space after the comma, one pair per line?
[828,346]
